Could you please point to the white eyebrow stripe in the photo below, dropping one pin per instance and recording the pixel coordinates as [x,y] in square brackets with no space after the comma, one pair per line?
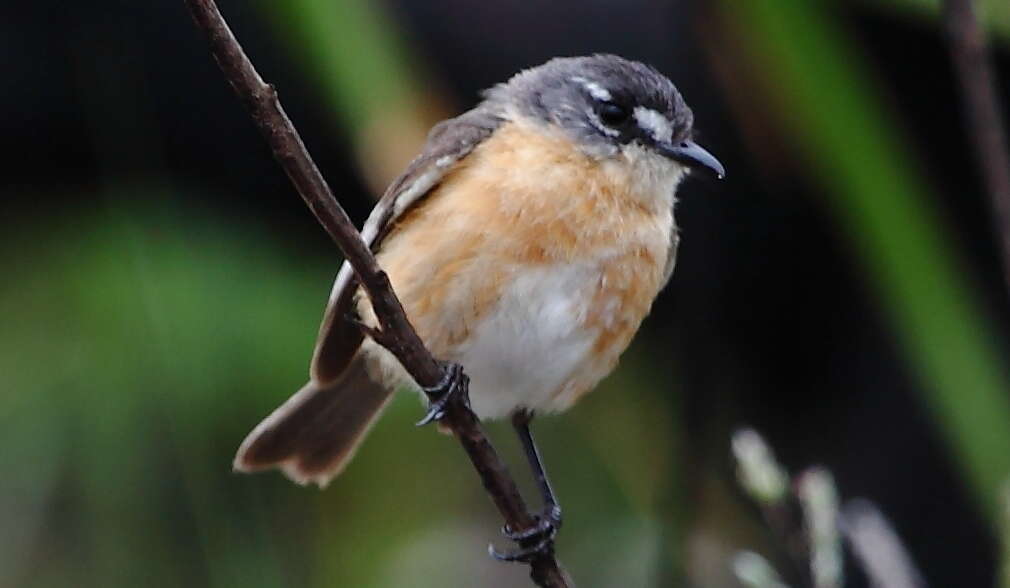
[595,90]
[657,124]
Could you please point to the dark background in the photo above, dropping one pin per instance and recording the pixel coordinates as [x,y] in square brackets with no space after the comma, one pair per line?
[164,283]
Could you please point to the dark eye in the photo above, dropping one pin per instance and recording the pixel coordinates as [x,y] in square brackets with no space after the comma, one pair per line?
[613,114]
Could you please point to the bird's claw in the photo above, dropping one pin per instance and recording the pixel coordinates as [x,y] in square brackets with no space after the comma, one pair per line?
[547,525]
[545,547]
[453,385]
[535,541]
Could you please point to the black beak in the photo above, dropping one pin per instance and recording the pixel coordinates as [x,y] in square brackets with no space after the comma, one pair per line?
[694,156]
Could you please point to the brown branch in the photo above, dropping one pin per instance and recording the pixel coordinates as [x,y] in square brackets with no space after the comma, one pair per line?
[403,341]
[982,113]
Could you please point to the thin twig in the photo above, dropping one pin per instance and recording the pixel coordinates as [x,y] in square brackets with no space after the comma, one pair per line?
[767,483]
[288,149]
[877,548]
[982,113]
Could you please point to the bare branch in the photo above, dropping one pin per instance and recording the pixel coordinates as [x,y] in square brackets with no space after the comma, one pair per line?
[397,332]
[982,113]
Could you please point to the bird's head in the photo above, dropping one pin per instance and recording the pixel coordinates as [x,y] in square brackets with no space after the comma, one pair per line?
[609,107]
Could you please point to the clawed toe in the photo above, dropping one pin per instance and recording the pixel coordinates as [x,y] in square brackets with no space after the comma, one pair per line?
[454,383]
[537,540]
[543,548]
[547,525]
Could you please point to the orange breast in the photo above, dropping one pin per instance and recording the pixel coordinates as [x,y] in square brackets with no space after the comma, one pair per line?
[524,199]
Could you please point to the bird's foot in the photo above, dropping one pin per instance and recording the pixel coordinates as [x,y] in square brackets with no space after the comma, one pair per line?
[454,386]
[535,541]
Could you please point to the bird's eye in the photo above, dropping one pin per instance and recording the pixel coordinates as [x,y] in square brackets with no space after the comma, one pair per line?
[613,114]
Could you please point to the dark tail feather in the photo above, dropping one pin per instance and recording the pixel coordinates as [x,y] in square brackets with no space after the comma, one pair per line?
[313,435]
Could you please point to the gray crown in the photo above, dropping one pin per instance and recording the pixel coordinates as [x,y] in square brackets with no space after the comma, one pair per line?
[585,96]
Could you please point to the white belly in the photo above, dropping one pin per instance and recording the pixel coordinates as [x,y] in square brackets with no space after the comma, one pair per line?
[524,352]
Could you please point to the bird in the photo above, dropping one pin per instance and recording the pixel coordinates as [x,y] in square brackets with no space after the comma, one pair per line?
[526,243]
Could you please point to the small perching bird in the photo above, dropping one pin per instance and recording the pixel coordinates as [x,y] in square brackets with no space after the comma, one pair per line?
[527,243]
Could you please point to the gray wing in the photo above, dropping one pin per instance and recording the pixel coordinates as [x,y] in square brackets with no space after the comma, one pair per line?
[448,142]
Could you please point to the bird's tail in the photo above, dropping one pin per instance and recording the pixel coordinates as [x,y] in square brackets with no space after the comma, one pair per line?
[313,435]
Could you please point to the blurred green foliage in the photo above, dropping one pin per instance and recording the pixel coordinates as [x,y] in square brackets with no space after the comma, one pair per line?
[350,48]
[994,14]
[147,340]
[822,91]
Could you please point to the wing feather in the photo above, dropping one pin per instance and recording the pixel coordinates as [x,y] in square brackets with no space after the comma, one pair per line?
[448,142]
[671,257]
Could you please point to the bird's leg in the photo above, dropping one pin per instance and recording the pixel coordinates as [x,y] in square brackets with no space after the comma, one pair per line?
[538,539]
[455,385]
[552,510]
